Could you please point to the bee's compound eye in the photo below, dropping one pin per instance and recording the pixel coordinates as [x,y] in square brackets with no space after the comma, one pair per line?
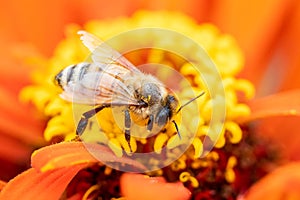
[162,116]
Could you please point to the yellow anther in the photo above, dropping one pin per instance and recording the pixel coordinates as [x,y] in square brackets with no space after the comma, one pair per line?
[246,87]
[196,164]
[186,176]
[231,162]
[57,130]
[202,130]
[173,142]
[213,155]
[125,145]
[39,95]
[194,124]
[198,146]
[228,82]
[90,191]
[229,173]
[55,107]
[133,144]
[235,132]
[71,136]
[142,140]
[159,142]
[220,142]
[178,164]
[155,173]
[240,110]
[107,170]
[189,69]
[115,146]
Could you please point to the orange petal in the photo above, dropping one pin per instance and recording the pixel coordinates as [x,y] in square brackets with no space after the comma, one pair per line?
[137,186]
[14,150]
[71,153]
[2,184]
[28,128]
[291,51]
[257,35]
[281,184]
[29,25]
[279,116]
[33,184]
[281,104]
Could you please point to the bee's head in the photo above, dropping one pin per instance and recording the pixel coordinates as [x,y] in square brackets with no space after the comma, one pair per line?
[167,110]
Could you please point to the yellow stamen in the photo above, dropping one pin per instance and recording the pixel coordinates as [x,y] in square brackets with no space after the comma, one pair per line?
[179,164]
[159,142]
[107,170]
[213,155]
[246,87]
[173,142]
[186,176]
[124,143]
[229,173]
[198,146]
[90,191]
[235,132]
[115,146]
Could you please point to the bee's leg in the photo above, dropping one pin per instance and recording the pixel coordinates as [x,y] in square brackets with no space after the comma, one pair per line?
[177,129]
[85,118]
[150,123]
[127,127]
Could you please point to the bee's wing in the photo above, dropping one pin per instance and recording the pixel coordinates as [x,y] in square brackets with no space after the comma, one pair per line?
[100,82]
[104,54]
[89,84]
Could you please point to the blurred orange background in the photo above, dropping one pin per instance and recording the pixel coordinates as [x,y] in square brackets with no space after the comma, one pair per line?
[267,31]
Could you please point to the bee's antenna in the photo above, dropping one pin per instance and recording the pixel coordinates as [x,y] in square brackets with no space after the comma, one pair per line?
[190,101]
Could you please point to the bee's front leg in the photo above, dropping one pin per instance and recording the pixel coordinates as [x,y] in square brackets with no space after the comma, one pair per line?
[85,118]
[177,130]
[127,127]
[150,123]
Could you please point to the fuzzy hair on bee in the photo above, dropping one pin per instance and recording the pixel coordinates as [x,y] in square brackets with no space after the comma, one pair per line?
[111,80]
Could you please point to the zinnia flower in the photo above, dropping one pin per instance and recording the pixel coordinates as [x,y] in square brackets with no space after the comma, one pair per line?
[240,156]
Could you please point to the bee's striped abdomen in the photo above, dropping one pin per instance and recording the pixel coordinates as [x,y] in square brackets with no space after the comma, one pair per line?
[71,74]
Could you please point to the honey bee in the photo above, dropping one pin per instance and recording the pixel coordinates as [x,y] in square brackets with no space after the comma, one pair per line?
[111,80]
